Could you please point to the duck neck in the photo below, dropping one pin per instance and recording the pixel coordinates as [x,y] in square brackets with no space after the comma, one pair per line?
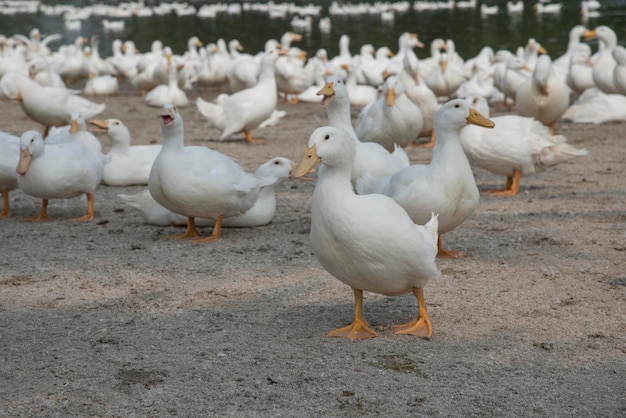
[448,150]
[173,137]
[338,113]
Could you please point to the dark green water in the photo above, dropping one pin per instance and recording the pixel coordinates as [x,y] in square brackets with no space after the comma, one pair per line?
[466,27]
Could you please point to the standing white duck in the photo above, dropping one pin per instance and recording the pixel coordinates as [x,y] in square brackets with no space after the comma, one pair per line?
[580,75]
[445,78]
[59,171]
[50,106]
[543,96]
[603,61]
[516,146]
[130,164]
[421,95]
[170,92]
[390,256]
[370,156]
[619,72]
[198,182]
[9,157]
[246,109]
[446,186]
[270,174]
[392,119]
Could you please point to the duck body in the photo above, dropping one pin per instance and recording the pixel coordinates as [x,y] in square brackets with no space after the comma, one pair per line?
[246,109]
[168,93]
[543,96]
[58,171]
[369,156]
[75,131]
[271,173]
[392,119]
[9,157]
[130,164]
[516,146]
[446,186]
[198,182]
[51,106]
[390,256]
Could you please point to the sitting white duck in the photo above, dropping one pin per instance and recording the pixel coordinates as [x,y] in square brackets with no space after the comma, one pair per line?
[101,85]
[170,92]
[198,182]
[9,157]
[50,106]
[446,186]
[130,164]
[246,109]
[543,96]
[75,131]
[517,146]
[270,174]
[392,119]
[370,156]
[390,256]
[58,171]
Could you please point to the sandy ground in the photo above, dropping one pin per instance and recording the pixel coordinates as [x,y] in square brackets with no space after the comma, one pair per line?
[110,318]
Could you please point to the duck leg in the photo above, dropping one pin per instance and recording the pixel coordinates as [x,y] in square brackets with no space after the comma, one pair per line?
[359,329]
[217,231]
[430,143]
[443,253]
[250,139]
[552,126]
[191,231]
[90,211]
[512,185]
[42,216]
[6,210]
[421,326]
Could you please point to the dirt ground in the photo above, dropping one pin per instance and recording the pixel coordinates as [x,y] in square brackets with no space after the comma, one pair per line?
[110,318]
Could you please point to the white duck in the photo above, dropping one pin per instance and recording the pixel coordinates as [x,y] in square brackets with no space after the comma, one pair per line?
[360,94]
[270,173]
[50,106]
[603,61]
[446,186]
[594,106]
[170,92]
[101,85]
[58,171]
[292,77]
[392,119]
[198,182]
[130,164]
[619,72]
[516,146]
[246,109]
[543,96]
[75,131]
[40,70]
[445,78]
[390,256]
[580,75]
[421,95]
[370,156]
[9,157]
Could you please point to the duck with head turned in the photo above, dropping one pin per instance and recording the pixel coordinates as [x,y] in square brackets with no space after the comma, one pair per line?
[446,186]
[391,256]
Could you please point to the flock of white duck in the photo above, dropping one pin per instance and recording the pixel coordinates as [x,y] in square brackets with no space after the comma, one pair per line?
[365,173]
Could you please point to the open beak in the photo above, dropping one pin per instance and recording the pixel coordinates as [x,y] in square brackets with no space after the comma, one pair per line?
[99,125]
[328,91]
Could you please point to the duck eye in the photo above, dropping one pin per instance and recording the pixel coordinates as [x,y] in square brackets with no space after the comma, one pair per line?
[276,162]
[456,105]
[327,136]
